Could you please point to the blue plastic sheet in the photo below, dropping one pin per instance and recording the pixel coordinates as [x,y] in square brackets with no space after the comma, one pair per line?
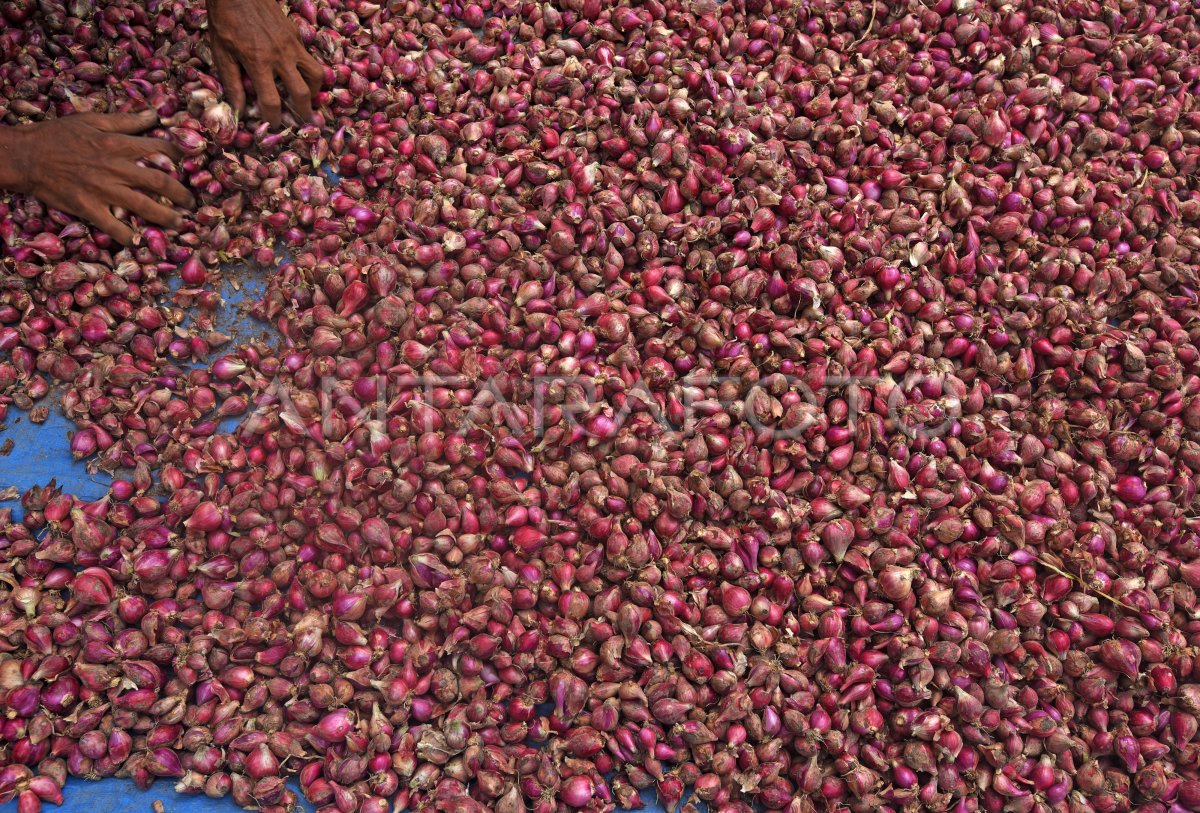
[122,796]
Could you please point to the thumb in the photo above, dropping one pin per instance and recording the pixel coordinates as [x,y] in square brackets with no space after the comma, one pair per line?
[128,123]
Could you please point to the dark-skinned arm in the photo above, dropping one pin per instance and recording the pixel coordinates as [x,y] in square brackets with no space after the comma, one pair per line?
[88,164]
[256,38]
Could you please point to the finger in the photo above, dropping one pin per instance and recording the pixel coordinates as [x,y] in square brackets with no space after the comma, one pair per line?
[231,78]
[127,123]
[298,94]
[133,201]
[268,96]
[135,148]
[103,219]
[160,183]
[312,72]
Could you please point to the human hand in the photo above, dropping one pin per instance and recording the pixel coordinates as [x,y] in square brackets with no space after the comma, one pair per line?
[87,164]
[257,37]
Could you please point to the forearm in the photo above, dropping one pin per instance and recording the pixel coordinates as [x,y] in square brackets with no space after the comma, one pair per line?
[13,159]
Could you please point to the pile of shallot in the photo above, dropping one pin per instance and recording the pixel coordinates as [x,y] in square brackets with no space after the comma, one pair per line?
[767,405]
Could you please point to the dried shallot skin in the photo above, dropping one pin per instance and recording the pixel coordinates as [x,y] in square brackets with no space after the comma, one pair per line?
[760,405]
